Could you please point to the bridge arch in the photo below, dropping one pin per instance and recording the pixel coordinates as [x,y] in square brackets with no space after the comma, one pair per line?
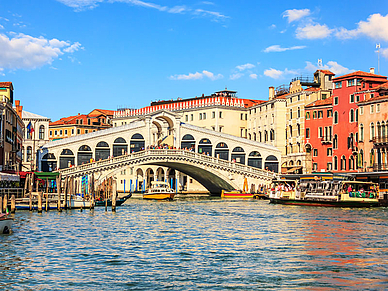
[137,143]
[222,151]
[66,159]
[205,147]
[84,155]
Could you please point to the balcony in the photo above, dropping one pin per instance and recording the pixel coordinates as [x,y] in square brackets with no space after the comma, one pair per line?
[380,140]
[327,139]
[380,167]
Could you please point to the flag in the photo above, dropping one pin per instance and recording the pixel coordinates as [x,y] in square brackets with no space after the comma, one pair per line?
[378,45]
[30,128]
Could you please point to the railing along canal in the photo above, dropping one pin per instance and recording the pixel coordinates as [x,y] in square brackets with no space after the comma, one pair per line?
[163,155]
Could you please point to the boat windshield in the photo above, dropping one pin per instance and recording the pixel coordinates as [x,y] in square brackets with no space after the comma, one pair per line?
[360,189]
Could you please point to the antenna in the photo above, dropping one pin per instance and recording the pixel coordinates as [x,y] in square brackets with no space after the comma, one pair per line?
[320,63]
[378,58]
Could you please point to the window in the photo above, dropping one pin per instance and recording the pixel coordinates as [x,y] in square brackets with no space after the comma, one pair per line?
[29,154]
[187,118]
[242,116]
[361,110]
[336,100]
[320,114]
[343,163]
[351,98]
[357,98]
[336,117]
[65,131]
[338,85]
[377,108]
[372,108]
[221,128]
[246,116]
[358,82]
[329,166]
[78,131]
[315,166]
[88,121]
[41,132]
[55,132]
[200,116]
[298,112]
[307,132]
[351,115]
[290,130]
[356,115]
[298,128]
[329,152]
[220,114]
[315,152]
[372,131]
[204,116]
[60,132]
[191,117]
[72,131]
[314,114]
[329,113]
[86,131]
[290,113]
[320,132]
[307,115]
[213,114]
[350,83]
[335,163]
[51,133]
[324,96]
[335,142]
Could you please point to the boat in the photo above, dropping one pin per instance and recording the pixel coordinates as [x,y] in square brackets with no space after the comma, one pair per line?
[5,224]
[159,191]
[318,192]
[236,194]
[119,201]
[77,202]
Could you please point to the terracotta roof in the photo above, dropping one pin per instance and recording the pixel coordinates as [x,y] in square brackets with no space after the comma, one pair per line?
[6,84]
[313,89]
[359,73]
[327,72]
[327,101]
[106,112]
[382,86]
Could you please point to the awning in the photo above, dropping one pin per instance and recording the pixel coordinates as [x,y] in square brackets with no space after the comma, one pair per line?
[294,169]
[46,175]
[9,177]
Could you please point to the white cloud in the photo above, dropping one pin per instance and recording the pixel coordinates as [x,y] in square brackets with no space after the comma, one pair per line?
[1,27]
[245,67]
[384,52]
[27,52]
[73,48]
[196,76]
[375,27]
[278,48]
[313,31]
[273,26]
[295,14]
[278,74]
[80,5]
[236,76]
[331,66]
[253,76]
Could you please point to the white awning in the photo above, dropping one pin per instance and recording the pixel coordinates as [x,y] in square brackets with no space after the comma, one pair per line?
[9,177]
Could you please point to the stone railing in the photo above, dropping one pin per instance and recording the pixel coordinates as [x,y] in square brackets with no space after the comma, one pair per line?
[164,155]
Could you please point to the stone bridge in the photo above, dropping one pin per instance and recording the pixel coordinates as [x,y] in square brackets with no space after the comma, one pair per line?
[213,173]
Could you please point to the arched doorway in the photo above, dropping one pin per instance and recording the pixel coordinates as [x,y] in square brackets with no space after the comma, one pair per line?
[66,159]
[49,163]
[137,143]
[120,147]
[139,180]
[272,164]
[149,177]
[171,178]
[84,155]
[102,151]
[255,160]
[238,155]
[160,174]
[205,147]
[188,142]
[222,151]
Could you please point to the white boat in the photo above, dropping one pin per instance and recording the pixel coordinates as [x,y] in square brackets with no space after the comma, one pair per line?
[5,223]
[159,191]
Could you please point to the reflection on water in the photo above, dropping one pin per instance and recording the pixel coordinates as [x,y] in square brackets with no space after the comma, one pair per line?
[192,244]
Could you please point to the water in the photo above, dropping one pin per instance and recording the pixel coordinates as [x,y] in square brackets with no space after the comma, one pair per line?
[197,245]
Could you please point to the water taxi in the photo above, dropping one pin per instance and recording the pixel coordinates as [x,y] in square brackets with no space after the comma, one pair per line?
[5,223]
[159,191]
[236,194]
[319,192]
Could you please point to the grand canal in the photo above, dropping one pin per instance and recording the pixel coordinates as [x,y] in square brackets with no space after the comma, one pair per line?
[191,244]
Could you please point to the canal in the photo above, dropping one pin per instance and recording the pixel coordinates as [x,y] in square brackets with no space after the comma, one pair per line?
[194,244]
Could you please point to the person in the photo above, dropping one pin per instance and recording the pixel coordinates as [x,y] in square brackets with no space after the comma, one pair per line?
[350,188]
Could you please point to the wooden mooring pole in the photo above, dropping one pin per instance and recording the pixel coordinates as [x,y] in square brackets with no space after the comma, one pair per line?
[40,202]
[47,196]
[1,204]
[13,204]
[5,203]
[114,194]
[59,178]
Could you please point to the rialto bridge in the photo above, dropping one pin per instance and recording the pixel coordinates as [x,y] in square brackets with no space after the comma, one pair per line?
[159,146]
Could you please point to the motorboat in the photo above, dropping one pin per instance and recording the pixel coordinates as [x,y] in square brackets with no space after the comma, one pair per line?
[159,191]
[5,223]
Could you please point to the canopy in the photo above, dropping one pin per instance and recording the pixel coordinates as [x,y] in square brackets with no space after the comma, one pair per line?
[46,175]
[9,177]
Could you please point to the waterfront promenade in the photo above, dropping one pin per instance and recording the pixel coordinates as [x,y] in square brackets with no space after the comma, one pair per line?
[192,244]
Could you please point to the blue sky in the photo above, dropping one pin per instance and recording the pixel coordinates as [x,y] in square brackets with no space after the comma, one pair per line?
[70,56]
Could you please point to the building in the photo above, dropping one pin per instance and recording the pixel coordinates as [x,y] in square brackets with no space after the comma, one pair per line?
[318,134]
[302,91]
[11,130]
[36,134]
[373,130]
[350,91]
[98,119]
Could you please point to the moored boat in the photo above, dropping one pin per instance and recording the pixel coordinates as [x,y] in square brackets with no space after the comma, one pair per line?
[236,194]
[5,224]
[325,193]
[159,191]
[119,201]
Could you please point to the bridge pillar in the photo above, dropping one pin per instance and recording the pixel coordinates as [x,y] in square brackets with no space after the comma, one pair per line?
[177,135]
[148,136]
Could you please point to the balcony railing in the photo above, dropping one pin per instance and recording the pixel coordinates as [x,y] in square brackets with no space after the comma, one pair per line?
[380,167]
[380,139]
[327,139]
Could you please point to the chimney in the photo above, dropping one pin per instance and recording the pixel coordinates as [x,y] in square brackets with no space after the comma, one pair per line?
[19,109]
[372,70]
[271,93]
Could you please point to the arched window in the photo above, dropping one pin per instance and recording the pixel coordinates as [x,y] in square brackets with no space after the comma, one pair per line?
[298,112]
[41,132]
[335,117]
[372,131]
[222,151]
[351,115]
[378,129]
[188,142]
[298,128]
[205,147]
[351,162]
[356,114]
[84,155]
[335,163]
[137,143]
[102,151]
[66,159]
[255,160]
[383,130]
[343,163]
[271,164]
[335,142]
[361,132]
[29,154]
[120,147]
[272,135]
[265,136]
[290,127]
[238,155]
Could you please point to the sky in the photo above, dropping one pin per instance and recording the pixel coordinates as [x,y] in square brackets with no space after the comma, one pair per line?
[66,57]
